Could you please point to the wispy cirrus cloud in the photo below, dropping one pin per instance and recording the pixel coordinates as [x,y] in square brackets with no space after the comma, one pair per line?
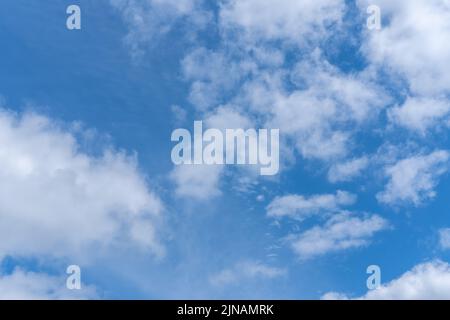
[246,271]
[148,20]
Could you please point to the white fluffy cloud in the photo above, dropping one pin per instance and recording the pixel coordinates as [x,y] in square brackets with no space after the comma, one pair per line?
[202,182]
[428,281]
[197,182]
[225,117]
[421,114]
[59,201]
[414,179]
[301,207]
[320,118]
[412,43]
[244,271]
[348,170]
[290,20]
[323,117]
[22,285]
[341,232]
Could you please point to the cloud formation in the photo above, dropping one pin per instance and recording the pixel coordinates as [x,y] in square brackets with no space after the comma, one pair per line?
[245,271]
[413,180]
[148,20]
[23,285]
[301,207]
[62,202]
[341,232]
[427,281]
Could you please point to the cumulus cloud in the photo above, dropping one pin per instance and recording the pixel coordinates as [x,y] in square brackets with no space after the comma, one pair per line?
[347,171]
[289,20]
[428,281]
[323,107]
[320,107]
[301,207]
[411,43]
[320,118]
[60,201]
[421,114]
[197,182]
[202,182]
[326,109]
[226,117]
[413,180]
[355,95]
[23,285]
[343,231]
[244,271]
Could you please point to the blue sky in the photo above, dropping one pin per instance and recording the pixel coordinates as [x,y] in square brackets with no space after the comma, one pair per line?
[87,176]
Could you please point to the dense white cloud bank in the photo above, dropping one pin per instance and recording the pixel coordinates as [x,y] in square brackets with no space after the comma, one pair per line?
[59,201]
